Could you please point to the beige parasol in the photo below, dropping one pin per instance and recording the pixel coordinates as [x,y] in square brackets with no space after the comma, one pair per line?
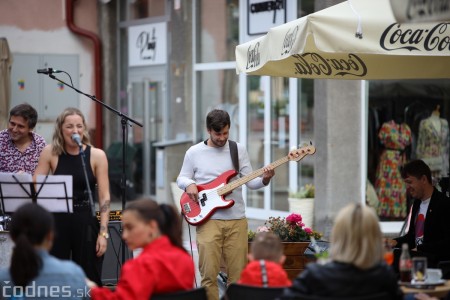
[5,81]
[357,39]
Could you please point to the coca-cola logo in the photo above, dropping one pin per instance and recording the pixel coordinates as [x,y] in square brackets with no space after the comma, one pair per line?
[420,9]
[400,36]
[289,40]
[253,57]
[314,64]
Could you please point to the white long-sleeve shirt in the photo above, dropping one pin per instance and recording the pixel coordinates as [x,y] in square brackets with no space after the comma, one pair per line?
[202,164]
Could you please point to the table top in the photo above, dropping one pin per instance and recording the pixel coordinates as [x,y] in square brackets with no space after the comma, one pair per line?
[436,291]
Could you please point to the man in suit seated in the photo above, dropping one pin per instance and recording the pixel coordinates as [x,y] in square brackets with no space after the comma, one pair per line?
[429,224]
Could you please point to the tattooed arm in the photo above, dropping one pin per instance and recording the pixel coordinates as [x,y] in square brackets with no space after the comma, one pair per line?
[100,165]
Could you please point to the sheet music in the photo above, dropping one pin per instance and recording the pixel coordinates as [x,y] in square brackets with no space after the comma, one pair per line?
[52,192]
[17,195]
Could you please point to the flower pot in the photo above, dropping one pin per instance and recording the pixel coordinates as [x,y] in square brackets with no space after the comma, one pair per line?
[304,207]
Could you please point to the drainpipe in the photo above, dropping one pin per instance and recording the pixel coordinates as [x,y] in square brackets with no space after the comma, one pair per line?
[98,139]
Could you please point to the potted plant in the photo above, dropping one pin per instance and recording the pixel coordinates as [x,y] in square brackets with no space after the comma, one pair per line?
[295,236]
[302,202]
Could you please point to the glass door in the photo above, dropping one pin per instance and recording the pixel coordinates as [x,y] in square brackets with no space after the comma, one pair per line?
[145,106]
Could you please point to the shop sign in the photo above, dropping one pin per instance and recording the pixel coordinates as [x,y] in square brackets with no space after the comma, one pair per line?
[147,44]
[420,10]
[263,15]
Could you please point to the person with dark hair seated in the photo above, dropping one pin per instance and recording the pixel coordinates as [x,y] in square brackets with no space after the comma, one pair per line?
[34,273]
[164,266]
[357,268]
[429,223]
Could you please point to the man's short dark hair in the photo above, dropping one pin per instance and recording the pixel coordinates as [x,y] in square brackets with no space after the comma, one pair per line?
[416,168]
[217,119]
[25,111]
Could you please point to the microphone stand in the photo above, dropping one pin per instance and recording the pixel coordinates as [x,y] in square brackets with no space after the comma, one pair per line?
[89,192]
[124,119]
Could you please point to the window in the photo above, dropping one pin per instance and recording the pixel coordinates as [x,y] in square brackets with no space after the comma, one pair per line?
[217,89]
[141,9]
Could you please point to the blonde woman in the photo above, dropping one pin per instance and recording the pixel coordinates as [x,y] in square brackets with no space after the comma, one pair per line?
[357,267]
[79,236]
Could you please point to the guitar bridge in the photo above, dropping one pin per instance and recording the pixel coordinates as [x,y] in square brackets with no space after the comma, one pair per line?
[186,208]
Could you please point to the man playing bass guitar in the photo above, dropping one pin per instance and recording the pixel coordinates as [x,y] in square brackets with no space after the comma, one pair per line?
[224,232]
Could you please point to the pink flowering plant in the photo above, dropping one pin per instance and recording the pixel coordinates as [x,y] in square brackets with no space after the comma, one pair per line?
[289,229]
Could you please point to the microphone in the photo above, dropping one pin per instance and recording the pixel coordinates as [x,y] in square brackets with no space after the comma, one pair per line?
[77,139]
[48,71]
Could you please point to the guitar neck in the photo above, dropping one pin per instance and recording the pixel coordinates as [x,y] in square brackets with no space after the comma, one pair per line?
[228,188]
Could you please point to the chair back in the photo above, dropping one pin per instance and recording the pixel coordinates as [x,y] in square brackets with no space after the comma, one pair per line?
[445,267]
[244,292]
[194,294]
[377,296]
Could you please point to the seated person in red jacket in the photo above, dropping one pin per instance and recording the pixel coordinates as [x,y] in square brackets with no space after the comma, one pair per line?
[266,260]
[163,266]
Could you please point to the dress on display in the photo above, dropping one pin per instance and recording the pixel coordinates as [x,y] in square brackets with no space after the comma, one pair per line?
[433,144]
[389,185]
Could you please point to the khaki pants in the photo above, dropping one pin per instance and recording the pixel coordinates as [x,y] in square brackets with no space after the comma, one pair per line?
[217,239]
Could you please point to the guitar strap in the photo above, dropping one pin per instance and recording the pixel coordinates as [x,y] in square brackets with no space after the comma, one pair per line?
[234,154]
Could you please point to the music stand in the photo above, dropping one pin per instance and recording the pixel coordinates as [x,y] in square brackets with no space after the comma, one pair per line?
[53,192]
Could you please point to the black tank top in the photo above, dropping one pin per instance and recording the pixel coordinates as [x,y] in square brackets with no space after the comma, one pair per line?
[72,165]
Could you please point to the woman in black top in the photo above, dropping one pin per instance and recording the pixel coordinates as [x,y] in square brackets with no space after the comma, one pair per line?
[79,236]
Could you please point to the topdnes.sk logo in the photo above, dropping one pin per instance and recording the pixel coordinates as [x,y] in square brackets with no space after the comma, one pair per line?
[32,290]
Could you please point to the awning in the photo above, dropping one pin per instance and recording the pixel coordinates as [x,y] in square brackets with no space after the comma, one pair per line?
[357,39]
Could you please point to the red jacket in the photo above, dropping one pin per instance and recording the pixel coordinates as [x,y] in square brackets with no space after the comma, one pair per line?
[160,268]
[276,275]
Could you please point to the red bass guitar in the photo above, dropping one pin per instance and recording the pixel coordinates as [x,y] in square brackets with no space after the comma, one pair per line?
[211,196]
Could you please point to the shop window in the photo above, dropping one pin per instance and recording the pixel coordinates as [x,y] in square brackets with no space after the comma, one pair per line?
[217,30]
[407,119]
[279,142]
[305,129]
[280,128]
[141,9]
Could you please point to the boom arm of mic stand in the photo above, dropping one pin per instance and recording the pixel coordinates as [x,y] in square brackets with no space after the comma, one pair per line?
[92,97]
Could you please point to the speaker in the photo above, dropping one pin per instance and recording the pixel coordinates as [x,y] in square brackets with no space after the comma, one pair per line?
[112,261]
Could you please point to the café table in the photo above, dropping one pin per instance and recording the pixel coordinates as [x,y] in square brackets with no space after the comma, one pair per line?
[438,291]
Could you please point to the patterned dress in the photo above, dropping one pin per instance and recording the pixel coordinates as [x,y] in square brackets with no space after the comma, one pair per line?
[433,145]
[389,185]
